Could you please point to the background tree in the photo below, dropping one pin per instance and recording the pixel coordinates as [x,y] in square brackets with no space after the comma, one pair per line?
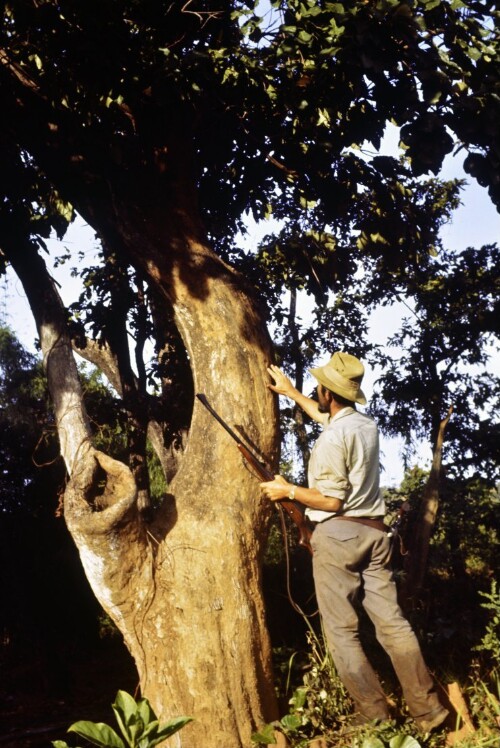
[441,358]
[160,124]
[28,442]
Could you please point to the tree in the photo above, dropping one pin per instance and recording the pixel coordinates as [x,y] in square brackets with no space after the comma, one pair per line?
[442,362]
[28,443]
[161,124]
[441,358]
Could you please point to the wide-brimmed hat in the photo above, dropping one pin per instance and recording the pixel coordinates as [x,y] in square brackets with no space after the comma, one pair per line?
[342,375]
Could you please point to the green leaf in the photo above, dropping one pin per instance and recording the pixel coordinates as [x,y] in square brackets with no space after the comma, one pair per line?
[377,238]
[60,744]
[125,709]
[299,697]
[64,209]
[229,73]
[336,30]
[150,732]
[305,203]
[146,711]
[323,117]
[291,721]
[372,742]
[135,729]
[403,741]
[169,729]
[474,53]
[36,59]
[265,736]
[97,733]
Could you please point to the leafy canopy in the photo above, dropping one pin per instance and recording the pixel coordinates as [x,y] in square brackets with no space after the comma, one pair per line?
[278,97]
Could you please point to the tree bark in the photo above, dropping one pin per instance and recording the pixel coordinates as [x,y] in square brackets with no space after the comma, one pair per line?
[211,651]
[185,591]
[418,549]
[211,538]
[50,316]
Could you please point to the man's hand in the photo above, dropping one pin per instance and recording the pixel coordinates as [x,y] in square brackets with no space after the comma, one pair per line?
[279,489]
[276,489]
[282,385]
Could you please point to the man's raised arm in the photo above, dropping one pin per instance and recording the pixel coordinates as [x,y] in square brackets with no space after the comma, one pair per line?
[283,386]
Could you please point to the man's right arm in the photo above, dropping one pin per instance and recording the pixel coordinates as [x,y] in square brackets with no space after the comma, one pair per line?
[283,386]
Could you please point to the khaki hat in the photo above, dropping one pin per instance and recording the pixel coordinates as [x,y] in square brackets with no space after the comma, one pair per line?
[342,375]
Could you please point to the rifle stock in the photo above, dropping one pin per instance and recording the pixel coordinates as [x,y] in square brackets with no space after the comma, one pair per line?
[292,508]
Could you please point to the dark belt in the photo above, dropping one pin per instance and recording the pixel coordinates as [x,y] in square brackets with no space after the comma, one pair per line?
[377,524]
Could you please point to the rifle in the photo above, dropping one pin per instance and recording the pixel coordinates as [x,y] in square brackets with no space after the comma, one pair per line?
[291,507]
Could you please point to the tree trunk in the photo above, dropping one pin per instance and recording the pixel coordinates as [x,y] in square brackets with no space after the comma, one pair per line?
[185,590]
[206,649]
[299,427]
[418,549]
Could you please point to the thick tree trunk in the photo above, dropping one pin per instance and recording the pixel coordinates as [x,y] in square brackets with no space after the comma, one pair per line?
[185,591]
[205,649]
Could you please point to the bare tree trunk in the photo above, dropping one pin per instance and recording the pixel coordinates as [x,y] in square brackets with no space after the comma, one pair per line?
[184,591]
[418,548]
[217,666]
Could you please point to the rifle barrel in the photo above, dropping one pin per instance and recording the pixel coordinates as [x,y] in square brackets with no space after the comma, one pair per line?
[290,507]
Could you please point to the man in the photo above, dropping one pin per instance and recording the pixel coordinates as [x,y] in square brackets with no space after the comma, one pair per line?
[351,559]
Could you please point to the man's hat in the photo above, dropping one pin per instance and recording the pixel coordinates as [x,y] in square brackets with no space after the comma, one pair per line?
[342,375]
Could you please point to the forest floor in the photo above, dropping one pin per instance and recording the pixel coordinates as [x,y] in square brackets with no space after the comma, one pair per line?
[36,710]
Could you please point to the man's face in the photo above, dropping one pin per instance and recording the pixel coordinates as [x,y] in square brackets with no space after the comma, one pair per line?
[323,400]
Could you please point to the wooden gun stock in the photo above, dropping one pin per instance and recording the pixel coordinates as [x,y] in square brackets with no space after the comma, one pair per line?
[292,508]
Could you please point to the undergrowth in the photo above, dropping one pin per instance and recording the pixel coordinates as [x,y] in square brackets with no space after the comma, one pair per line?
[319,708]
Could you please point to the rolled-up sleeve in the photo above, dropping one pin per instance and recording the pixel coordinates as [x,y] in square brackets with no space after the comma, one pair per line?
[327,467]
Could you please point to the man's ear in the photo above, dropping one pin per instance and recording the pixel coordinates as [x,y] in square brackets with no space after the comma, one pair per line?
[326,393]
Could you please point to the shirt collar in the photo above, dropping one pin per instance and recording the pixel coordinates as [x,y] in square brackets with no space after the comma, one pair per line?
[347,411]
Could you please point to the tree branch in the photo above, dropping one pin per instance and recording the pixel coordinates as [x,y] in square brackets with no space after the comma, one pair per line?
[50,316]
[101,356]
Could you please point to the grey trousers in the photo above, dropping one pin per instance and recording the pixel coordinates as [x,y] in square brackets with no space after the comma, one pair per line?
[352,561]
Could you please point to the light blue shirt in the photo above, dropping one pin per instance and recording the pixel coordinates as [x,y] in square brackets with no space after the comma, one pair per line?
[344,465]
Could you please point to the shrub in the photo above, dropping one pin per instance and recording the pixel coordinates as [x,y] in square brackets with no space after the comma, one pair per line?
[138,725]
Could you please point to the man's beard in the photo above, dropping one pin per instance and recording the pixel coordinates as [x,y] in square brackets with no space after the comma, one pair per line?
[323,406]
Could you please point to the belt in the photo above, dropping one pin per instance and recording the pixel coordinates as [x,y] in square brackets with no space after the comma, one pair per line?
[377,524]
